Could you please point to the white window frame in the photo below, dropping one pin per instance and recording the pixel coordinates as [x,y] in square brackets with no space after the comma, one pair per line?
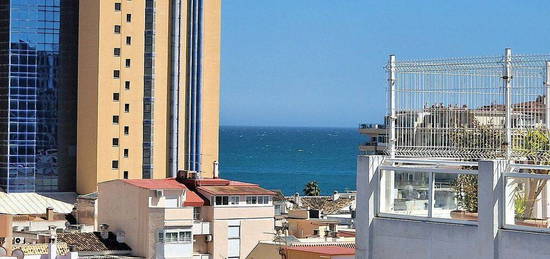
[182,236]
[505,204]
[431,180]
[222,201]
[234,200]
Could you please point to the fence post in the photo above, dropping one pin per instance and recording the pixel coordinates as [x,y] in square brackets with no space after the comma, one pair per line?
[391,82]
[367,190]
[547,95]
[507,78]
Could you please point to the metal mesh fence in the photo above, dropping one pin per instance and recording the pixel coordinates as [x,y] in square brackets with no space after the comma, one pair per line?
[470,108]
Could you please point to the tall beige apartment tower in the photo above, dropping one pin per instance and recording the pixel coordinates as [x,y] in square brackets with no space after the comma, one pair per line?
[148,89]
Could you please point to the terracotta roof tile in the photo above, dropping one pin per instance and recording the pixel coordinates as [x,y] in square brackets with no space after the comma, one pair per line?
[92,242]
[235,190]
[42,249]
[153,184]
[324,203]
[193,200]
[324,250]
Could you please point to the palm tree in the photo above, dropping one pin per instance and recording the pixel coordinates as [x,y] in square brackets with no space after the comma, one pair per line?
[312,189]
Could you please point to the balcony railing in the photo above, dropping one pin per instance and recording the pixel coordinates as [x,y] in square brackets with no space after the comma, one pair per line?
[371,126]
[201,228]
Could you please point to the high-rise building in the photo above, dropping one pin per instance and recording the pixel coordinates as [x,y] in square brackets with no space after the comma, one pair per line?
[148,99]
[38,91]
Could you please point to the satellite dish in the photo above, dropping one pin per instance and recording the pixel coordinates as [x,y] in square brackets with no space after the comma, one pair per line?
[18,253]
[3,251]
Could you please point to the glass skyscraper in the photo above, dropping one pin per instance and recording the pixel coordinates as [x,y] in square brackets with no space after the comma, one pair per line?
[38,49]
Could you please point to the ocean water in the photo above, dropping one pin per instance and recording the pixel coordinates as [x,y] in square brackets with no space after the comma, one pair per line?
[286,158]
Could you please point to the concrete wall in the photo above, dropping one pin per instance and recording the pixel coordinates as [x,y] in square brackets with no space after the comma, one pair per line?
[129,214]
[257,224]
[387,238]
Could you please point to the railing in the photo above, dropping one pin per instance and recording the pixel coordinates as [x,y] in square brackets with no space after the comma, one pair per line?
[201,228]
[470,108]
[202,256]
[421,191]
[371,126]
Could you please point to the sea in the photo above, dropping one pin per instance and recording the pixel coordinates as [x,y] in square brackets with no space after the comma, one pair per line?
[286,158]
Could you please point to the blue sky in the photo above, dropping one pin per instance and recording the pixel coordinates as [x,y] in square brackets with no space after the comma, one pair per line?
[320,62]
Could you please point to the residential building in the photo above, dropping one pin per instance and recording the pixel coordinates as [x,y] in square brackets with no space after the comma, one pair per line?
[465,175]
[377,142]
[187,217]
[304,223]
[38,95]
[148,99]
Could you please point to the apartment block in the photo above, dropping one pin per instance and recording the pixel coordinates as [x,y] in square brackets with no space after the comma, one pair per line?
[148,100]
[187,218]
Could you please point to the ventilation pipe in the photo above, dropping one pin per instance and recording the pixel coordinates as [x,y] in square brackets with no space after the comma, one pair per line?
[175,89]
[216,172]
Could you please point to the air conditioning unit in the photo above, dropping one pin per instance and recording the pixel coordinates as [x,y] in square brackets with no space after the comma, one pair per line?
[18,240]
[208,238]
[159,193]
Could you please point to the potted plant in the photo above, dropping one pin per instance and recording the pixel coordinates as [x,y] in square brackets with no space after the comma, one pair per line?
[465,188]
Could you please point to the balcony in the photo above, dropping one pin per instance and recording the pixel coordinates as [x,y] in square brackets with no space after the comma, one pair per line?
[201,228]
[372,129]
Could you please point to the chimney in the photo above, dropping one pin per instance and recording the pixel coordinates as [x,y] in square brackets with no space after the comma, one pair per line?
[104,231]
[335,196]
[49,213]
[52,246]
[216,169]
[297,200]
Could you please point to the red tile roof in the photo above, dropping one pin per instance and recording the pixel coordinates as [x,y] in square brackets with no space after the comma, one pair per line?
[156,184]
[324,250]
[235,190]
[191,198]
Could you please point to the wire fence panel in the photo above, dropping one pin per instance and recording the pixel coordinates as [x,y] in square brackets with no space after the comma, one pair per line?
[470,108]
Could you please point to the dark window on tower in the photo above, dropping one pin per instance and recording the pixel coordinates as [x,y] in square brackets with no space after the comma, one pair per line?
[114,164]
[128,62]
[116,52]
[115,119]
[126,151]
[126,107]
[117,29]
[125,174]
[128,40]
[118,6]
[126,130]
[116,73]
[116,97]
[127,85]
[129,17]
[115,142]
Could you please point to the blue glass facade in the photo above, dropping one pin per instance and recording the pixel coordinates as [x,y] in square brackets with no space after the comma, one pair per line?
[31,82]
